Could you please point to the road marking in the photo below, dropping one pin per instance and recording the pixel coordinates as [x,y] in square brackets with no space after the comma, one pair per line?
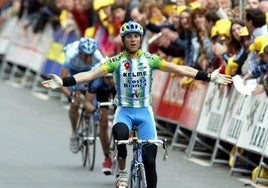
[14,84]
[246,181]
[41,96]
[249,182]
[198,161]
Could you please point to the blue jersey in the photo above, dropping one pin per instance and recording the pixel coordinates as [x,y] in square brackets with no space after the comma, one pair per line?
[104,92]
[74,63]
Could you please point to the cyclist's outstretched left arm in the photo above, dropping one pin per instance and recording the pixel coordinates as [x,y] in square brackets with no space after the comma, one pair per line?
[215,76]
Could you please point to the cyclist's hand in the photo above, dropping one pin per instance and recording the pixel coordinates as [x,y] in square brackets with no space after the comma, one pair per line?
[220,78]
[54,82]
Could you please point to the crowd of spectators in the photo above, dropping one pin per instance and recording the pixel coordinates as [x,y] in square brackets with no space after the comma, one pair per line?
[205,34]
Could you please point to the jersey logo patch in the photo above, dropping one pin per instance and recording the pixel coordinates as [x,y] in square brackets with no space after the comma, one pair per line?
[135,94]
[127,65]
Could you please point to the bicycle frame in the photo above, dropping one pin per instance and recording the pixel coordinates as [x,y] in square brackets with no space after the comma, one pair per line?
[137,178]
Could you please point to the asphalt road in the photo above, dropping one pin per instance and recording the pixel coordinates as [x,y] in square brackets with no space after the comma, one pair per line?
[34,151]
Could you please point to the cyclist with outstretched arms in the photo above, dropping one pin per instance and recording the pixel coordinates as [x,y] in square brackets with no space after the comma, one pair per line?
[133,75]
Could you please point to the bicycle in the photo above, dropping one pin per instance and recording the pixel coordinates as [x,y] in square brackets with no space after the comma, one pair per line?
[87,135]
[137,178]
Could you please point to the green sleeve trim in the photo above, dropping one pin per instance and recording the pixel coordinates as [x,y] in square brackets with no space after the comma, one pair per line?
[105,68]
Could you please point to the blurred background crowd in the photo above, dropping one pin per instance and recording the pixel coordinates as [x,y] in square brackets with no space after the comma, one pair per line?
[205,34]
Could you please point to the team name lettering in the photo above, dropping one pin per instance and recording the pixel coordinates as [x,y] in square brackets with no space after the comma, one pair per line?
[131,85]
[134,74]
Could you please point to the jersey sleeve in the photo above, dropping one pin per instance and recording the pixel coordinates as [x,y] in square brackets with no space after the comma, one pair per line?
[67,61]
[110,65]
[157,62]
[98,55]
[70,51]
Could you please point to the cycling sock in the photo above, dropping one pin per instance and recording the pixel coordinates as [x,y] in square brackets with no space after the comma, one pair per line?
[124,171]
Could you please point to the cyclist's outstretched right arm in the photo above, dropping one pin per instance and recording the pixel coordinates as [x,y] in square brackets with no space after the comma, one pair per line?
[57,82]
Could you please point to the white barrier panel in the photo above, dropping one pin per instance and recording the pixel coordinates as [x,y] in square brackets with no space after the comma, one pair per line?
[6,34]
[254,129]
[29,50]
[213,110]
[265,152]
[235,115]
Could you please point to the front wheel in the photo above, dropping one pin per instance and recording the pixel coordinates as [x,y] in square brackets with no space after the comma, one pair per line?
[91,143]
[137,177]
[84,150]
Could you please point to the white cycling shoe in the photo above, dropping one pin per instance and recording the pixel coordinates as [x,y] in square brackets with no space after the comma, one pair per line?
[74,143]
[121,180]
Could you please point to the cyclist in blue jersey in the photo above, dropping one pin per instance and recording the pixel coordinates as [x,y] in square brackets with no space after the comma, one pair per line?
[104,90]
[80,56]
[133,74]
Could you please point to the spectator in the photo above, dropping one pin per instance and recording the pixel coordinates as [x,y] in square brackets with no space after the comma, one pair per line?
[214,5]
[9,9]
[153,12]
[82,11]
[263,6]
[119,11]
[180,2]
[198,24]
[129,4]
[241,56]
[263,86]
[49,14]
[31,10]
[252,4]
[259,71]
[169,30]
[220,36]
[255,22]
[107,27]
[185,38]
[233,48]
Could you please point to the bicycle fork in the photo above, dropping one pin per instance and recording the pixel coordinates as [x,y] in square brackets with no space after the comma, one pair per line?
[137,178]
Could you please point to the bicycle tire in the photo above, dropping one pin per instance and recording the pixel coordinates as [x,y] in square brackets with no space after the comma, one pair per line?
[137,177]
[84,150]
[91,143]
[113,155]
[83,143]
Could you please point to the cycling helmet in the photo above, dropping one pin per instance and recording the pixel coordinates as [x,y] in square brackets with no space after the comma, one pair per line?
[131,27]
[87,45]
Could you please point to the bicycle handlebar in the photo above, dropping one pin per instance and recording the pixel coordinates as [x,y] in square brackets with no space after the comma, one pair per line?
[80,89]
[132,141]
[110,103]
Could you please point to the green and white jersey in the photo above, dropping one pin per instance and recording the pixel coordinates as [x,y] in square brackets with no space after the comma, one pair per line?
[133,76]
